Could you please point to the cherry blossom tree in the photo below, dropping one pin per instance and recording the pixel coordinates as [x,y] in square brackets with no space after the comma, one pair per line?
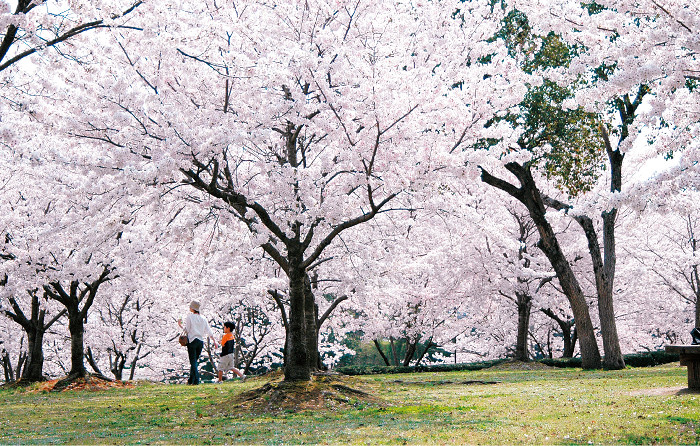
[641,58]
[289,115]
[415,292]
[13,350]
[667,254]
[35,327]
[67,235]
[530,196]
[27,30]
[124,322]
[543,140]
[515,272]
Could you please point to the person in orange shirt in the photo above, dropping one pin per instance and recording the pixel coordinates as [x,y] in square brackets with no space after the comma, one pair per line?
[227,350]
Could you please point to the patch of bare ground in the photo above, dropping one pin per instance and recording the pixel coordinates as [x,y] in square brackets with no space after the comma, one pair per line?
[665,391]
[323,392]
[90,382]
[520,365]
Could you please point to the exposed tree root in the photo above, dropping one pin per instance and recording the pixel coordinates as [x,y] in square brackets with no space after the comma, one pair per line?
[322,392]
[76,382]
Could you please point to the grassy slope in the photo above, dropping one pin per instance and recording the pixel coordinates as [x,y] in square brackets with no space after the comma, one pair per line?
[555,406]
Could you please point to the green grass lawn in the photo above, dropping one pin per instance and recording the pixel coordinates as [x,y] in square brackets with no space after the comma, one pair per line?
[552,406]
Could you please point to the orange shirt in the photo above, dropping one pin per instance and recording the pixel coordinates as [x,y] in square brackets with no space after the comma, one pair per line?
[226,337]
[227,344]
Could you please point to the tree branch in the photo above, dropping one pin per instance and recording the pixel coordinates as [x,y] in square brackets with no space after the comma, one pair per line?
[330,309]
[278,300]
[343,226]
[498,183]
[67,35]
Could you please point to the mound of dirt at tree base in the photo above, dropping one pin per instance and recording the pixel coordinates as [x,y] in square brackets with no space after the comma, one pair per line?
[520,365]
[323,392]
[90,383]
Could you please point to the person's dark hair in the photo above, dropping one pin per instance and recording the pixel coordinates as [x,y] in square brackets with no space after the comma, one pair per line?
[229,325]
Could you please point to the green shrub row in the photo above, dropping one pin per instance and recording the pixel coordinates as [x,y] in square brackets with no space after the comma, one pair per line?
[382,369]
[646,359]
[650,359]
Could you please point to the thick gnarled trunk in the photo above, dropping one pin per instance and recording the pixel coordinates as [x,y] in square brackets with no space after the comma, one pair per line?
[76,327]
[312,328]
[34,367]
[297,366]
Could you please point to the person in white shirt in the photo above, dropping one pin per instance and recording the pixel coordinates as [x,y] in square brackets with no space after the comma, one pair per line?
[196,328]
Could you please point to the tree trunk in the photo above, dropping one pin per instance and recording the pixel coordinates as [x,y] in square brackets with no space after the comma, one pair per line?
[394,356]
[590,355]
[538,345]
[117,368]
[524,302]
[71,300]
[565,326]
[613,359]
[310,321]
[7,367]
[428,346]
[34,367]
[277,297]
[132,369]
[35,328]
[93,363]
[530,196]
[21,362]
[604,264]
[410,351]
[297,364]
[76,327]
[381,353]
[695,278]
[604,271]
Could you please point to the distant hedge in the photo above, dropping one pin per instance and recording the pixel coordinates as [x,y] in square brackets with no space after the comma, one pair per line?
[646,359]
[650,358]
[379,370]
